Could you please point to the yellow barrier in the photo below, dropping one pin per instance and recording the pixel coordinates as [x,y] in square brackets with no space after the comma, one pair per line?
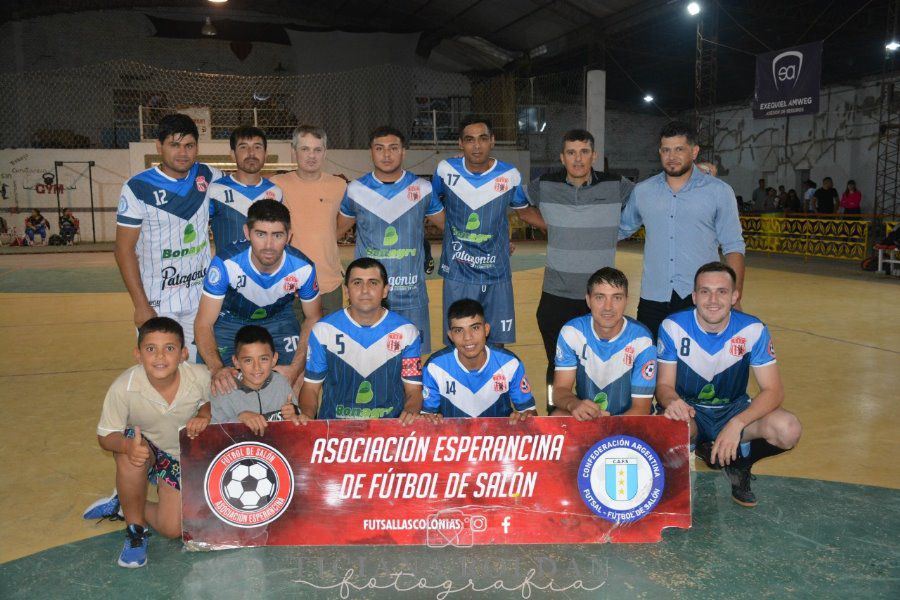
[827,238]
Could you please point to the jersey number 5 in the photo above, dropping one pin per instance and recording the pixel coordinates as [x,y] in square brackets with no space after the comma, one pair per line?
[339,342]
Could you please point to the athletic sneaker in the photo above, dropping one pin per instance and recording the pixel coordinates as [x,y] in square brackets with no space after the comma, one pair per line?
[740,485]
[134,552]
[104,508]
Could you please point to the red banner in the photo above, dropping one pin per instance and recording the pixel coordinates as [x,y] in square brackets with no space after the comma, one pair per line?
[548,480]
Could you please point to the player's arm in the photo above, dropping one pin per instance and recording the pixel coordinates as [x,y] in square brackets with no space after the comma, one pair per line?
[198,422]
[309,398]
[413,404]
[770,397]
[312,312]
[676,408]
[126,259]
[640,407]
[566,400]
[735,260]
[630,220]
[438,219]
[532,215]
[344,223]
[223,377]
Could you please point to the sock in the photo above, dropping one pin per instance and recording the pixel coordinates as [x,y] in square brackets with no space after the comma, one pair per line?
[760,449]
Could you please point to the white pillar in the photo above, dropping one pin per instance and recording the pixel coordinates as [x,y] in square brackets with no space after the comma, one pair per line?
[595,112]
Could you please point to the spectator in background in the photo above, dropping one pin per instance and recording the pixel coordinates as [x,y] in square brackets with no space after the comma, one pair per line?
[826,197]
[759,196]
[782,197]
[793,204]
[851,199]
[36,223]
[809,190]
[69,227]
[771,201]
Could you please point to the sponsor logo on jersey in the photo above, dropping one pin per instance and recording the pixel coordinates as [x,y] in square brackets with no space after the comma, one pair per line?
[473,222]
[648,370]
[364,393]
[291,283]
[355,412]
[476,262]
[248,485]
[500,383]
[396,253]
[738,345]
[403,282]
[189,236]
[621,479]
[628,356]
[413,193]
[771,349]
[501,184]
[200,183]
[525,385]
[390,236]
[259,313]
[393,341]
[601,400]
[173,279]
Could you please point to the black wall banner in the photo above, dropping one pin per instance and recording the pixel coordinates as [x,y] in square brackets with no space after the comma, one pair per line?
[788,81]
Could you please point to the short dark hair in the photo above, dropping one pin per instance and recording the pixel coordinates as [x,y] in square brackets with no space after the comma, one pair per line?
[474,119]
[578,135]
[608,275]
[246,132]
[386,130]
[313,130]
[269,211]
[365,262]
[464,308]
[176,124]
[160,325]
[824,179]
[677,128]
[715,267]
[253,334]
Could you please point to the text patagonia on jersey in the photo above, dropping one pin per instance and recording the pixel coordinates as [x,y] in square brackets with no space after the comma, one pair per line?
[171,278]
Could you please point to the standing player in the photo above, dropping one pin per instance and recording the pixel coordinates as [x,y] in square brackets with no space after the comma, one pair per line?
[472,379]
[231,196]
[608,357]
[389,206]
[477,190]
[161,244]
[705,356]
[365,357]
[254,283]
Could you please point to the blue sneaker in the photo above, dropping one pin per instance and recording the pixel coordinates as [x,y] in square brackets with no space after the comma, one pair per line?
[104,508]
[134,552]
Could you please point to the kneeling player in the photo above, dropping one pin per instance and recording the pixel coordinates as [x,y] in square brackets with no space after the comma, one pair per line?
[254,283]
[262,394]
[365,357]
[142,413]
[705,355]
[608,357]
[472,379]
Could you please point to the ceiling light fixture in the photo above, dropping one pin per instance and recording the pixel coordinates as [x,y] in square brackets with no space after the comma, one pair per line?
[208,28]
[892,45]
[648,98]
[693,8]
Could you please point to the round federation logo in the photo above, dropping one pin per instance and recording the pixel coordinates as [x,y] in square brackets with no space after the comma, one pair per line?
[249,485]
[621,479]
[214,275]
[123,206]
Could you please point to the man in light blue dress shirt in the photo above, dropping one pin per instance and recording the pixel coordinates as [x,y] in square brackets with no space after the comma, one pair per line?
[688,216]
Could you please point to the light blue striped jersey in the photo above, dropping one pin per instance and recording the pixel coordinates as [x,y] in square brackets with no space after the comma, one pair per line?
[476,235]
[363,368]
[609,372]
[250,295]
[390,227]
[229,201]
[714,368]
[173,246]
[453,391]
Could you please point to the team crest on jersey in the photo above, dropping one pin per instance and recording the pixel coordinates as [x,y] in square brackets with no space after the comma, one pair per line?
[214,275]
[525,386]
[413,193]
[248,485]
[501,184]
[393,341]
[123,206]
[738,346]
[500,383]
[291,283]
[201,184]
[270,195]
[628,356]
[771,349]
[648,370]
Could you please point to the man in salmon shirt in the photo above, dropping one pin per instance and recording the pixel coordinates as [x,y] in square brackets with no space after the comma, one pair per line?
[314,197]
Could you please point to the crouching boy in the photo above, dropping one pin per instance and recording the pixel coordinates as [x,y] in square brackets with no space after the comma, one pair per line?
[143,412]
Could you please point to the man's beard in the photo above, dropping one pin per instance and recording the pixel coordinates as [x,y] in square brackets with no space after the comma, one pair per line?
[679,172]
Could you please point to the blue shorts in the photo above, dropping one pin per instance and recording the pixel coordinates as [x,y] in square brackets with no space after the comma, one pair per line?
[418,316]
[711,420]
[285,333]
[497,300]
